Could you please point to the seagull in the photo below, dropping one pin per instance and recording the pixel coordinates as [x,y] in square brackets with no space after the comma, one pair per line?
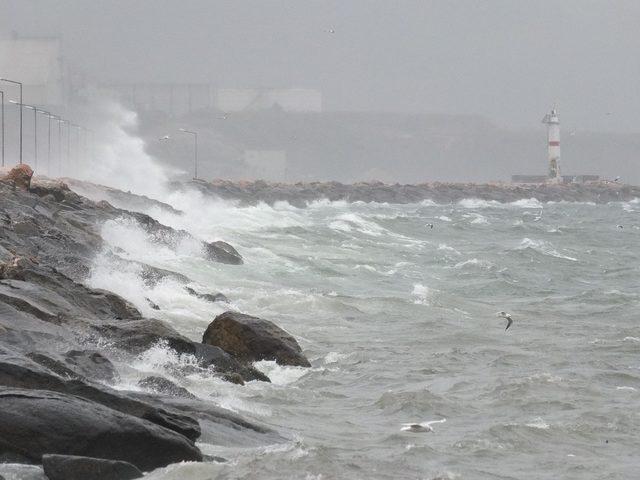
[420,427]
[508,317]
[166,137]
[330,30]
[621,226]
[430,225]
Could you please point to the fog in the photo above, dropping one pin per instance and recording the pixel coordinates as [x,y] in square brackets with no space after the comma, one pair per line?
[505,62]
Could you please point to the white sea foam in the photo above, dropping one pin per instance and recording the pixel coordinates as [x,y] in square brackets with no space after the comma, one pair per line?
[538,423]
[279,374]
[444,218]
[474,262]
[477,203]
[527,203]
[543,247]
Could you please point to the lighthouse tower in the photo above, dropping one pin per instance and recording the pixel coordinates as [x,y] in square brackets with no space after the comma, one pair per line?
[553,137]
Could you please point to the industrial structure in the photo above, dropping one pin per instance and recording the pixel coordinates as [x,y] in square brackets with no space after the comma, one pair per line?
[176,99]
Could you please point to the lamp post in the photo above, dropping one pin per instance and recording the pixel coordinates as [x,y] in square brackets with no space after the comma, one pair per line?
[195,150]
[35,131]
[20,84]
[48,114]
[2,97]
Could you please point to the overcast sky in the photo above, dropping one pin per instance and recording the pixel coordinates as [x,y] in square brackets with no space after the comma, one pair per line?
[507,60]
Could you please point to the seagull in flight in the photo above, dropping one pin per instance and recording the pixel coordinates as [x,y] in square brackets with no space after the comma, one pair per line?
[508,317]
[420,427]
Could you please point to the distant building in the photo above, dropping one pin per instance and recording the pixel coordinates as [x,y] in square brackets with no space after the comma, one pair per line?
[247,99]
[37,63]
[181,98]
[270,165]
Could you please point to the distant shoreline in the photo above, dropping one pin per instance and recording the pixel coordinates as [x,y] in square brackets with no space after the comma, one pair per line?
[299,194]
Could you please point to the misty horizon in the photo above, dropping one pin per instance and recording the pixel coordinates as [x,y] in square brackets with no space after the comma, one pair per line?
[506,61]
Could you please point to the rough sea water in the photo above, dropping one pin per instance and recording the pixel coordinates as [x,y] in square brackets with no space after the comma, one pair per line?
[400,323]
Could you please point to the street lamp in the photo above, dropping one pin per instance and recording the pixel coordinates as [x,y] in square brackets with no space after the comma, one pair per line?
[195,150]
[35,131]
[48,114]
[20,84]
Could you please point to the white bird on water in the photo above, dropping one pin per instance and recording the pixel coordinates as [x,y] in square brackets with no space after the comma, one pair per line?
[508,317]
[420,427]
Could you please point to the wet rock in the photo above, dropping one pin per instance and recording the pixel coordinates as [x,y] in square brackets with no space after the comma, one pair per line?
[229,367]
[91,364]
[69,467]
[210,297]
[27,228]
[223,252]
[18,177]
[153,305]
[136,336]
[250,339]
[165,387]
[36,422]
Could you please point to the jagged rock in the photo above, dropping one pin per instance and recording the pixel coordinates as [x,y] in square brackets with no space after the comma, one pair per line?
[153,305]
[18,177]
[69,467]
[165,387]
[37,422]
[251,339]
[223,252]
[210,297]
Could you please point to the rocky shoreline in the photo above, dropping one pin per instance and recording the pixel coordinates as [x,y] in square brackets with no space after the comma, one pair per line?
[300,194]
[60,341]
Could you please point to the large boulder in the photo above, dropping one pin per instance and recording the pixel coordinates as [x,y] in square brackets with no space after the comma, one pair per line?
[19,176]
[251,339]
[70,467]
[37,422]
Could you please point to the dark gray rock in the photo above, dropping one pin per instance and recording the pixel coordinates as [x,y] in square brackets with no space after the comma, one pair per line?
[164,386]
[91,364]
[251,339]
[136,336]
[210,297]
[69,467]
[37,422]
[226,365]
[223,252]
[153,305]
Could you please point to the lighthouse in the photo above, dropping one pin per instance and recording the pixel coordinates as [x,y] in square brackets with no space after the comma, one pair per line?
[553,138]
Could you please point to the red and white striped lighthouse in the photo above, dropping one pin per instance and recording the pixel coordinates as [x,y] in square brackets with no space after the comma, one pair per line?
[553,138]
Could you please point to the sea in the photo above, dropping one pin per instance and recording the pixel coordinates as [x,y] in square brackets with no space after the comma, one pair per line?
[396,306]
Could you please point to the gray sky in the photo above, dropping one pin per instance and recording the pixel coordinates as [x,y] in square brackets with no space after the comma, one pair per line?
[507,60]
